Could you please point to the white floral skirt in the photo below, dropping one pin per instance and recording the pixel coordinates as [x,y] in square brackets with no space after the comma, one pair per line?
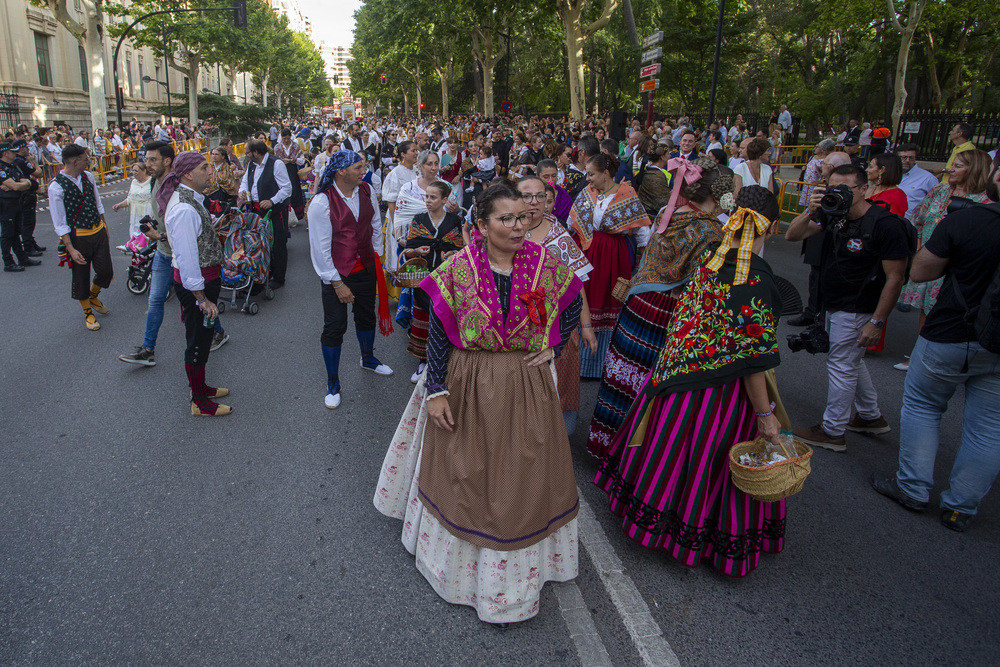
[503,586]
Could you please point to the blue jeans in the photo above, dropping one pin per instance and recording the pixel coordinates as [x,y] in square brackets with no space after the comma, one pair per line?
[161,279]
[935,372]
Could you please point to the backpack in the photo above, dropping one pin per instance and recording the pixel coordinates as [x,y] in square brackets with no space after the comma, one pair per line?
[983,319]
[911,232]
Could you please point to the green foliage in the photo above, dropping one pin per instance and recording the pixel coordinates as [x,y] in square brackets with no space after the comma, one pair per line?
[239,121]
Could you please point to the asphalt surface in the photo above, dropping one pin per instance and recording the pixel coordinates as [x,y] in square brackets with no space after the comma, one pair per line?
[134,533]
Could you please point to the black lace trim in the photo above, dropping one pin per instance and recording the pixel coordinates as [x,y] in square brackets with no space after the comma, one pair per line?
[653,521]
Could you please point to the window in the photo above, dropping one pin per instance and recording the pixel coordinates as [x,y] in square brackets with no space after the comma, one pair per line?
[157,77]
[42,56]
[84,73]
[142,83]
[76,5]
[128,73]
[187,86]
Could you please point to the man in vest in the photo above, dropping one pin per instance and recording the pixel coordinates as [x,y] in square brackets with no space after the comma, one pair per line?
[13,188]
[78,217]
[197,270]
[345,241]
[267,187]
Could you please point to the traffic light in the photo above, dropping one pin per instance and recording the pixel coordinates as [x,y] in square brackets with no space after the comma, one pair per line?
[240,13]
[421,105]
[385,80]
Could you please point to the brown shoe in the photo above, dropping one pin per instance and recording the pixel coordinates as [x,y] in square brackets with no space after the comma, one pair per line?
[871,426]
[218,410]
[817,437]
[92,323]
[96,304]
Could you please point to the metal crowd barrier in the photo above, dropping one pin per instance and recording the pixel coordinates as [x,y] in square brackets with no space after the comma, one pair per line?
[788,197]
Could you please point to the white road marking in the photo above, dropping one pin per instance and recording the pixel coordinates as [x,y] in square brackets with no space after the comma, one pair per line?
[580,624]
[645,633]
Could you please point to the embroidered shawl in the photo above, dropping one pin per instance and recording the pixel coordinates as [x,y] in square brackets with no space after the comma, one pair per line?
[625,212]
[720,331]
[445,238]
[673,255]
[561,244]
[464,296]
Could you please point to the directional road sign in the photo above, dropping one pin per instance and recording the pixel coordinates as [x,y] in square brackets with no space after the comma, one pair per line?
[655,38]
[649,70]
[652,54]
[650,85]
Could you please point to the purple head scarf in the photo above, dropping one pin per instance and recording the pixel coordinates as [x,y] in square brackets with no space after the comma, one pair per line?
[339,160]
[183,164]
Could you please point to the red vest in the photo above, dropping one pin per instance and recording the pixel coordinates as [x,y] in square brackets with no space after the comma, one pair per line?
[352,238]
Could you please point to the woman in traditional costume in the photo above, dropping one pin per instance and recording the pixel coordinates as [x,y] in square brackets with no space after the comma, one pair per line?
[685,228]
[479,469]
[402,174]
[546,230]
[610,225]
[435,235]
[667,472]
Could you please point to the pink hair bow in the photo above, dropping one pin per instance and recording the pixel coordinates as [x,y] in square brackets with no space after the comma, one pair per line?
[683,172]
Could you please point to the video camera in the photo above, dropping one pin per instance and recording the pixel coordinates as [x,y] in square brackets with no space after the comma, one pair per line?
[837,201]
[813,340]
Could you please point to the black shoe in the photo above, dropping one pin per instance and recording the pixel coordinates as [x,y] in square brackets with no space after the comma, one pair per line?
[12,268]
[802,320]
[40,248]
[888,487]
[275,284]
[33,253]
[27,261]
[955,520]
[143,357]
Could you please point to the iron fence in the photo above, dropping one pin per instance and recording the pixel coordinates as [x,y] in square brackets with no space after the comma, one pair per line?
[10,110]
[929,130]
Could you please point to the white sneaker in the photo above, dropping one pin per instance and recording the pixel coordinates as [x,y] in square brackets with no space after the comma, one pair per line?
[415,378]
[332,401]
[903,366]
[381,369]
[122,248]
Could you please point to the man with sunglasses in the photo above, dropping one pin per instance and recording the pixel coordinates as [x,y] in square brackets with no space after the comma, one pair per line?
[862,271]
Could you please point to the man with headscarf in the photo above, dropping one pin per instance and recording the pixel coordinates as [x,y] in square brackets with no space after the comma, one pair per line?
[345,241]
[78,217]
[197,270]
[266,186]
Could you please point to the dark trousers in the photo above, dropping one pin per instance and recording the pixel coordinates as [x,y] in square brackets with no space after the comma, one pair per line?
[28,218]
[293,175]
[279,247]
[10,223]
[362,284]
[199,337]
[96,251]
[813,307]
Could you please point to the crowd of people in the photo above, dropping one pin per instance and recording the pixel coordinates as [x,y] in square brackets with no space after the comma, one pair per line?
[548,254]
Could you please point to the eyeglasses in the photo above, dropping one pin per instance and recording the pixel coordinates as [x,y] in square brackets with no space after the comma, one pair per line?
[529,197]
[509,220]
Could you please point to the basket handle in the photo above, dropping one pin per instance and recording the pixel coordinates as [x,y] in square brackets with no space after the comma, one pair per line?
[785,450]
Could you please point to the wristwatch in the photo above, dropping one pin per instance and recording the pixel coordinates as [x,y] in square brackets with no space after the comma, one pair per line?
[877,323]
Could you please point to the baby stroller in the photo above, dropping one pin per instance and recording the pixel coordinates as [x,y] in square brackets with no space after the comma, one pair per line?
[247,258]
[141,249]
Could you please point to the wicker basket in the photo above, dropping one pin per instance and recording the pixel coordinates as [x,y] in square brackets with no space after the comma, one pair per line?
[621,288]
[771,483]
[411,278]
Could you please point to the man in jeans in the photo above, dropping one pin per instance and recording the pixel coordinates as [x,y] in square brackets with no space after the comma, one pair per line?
[862,271]
[965,249]
[160,160]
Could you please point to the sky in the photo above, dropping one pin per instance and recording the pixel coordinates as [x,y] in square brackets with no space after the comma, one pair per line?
[332,20]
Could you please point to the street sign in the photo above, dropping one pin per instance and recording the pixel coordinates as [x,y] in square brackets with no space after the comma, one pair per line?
[655,38]
[649,70]
[911,127]
[505,106]
[650,85]
[652,54]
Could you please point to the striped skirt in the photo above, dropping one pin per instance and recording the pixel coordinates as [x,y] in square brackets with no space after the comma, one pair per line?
[419,327]
[673,490]
[635,344]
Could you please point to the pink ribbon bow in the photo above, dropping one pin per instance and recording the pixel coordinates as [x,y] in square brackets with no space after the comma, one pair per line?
[684,172]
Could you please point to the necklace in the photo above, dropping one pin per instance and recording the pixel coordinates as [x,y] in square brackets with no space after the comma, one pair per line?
[527,234]
[604,194]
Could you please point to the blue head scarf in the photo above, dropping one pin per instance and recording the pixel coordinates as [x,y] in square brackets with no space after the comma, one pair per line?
[339,160]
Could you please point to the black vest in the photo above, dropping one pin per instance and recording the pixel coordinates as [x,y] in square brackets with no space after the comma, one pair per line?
[28,171]
[81,207]
[267,187]
[10,171]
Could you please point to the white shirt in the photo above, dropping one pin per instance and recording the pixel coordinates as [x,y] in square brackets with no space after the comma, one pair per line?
[713,146]
[80,141]
[785,119]
[743,170]
[57,210]
[183,228]
[280,177]
[162,134]
[353,144]
[321,231]
[916,183]
[55,151]
[116,141]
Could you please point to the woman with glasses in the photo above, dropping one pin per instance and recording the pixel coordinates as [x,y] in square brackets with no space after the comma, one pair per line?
[389,149]
[479,469]
[611,226]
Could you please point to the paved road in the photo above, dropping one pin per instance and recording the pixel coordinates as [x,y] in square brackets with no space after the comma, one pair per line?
[133,533]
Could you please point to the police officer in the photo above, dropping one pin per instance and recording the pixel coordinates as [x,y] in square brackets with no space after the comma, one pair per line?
[12,185]
[32,170]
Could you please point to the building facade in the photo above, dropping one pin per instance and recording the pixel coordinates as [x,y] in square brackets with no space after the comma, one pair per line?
[335,58]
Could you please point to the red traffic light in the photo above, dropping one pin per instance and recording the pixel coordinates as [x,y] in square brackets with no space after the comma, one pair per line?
[384,79]
[421,105]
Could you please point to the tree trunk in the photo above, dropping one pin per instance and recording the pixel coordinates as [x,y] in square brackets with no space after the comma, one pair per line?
[263,87]
[90,37]
[574,50]
[406,100]
[477,83]
[194,65]
[443,76]
[906,39]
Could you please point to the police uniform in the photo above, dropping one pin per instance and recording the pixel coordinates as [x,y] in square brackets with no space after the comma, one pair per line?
[29,204]
[10,214]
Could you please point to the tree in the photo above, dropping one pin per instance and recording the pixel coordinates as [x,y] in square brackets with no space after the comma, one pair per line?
[571,14]
[90,35]
[906,32]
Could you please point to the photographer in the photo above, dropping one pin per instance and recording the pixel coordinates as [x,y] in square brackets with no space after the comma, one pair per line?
[862,271]
[950,352]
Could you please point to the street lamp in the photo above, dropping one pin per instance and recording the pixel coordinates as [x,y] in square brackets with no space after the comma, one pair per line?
[170,107]
[211,92]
